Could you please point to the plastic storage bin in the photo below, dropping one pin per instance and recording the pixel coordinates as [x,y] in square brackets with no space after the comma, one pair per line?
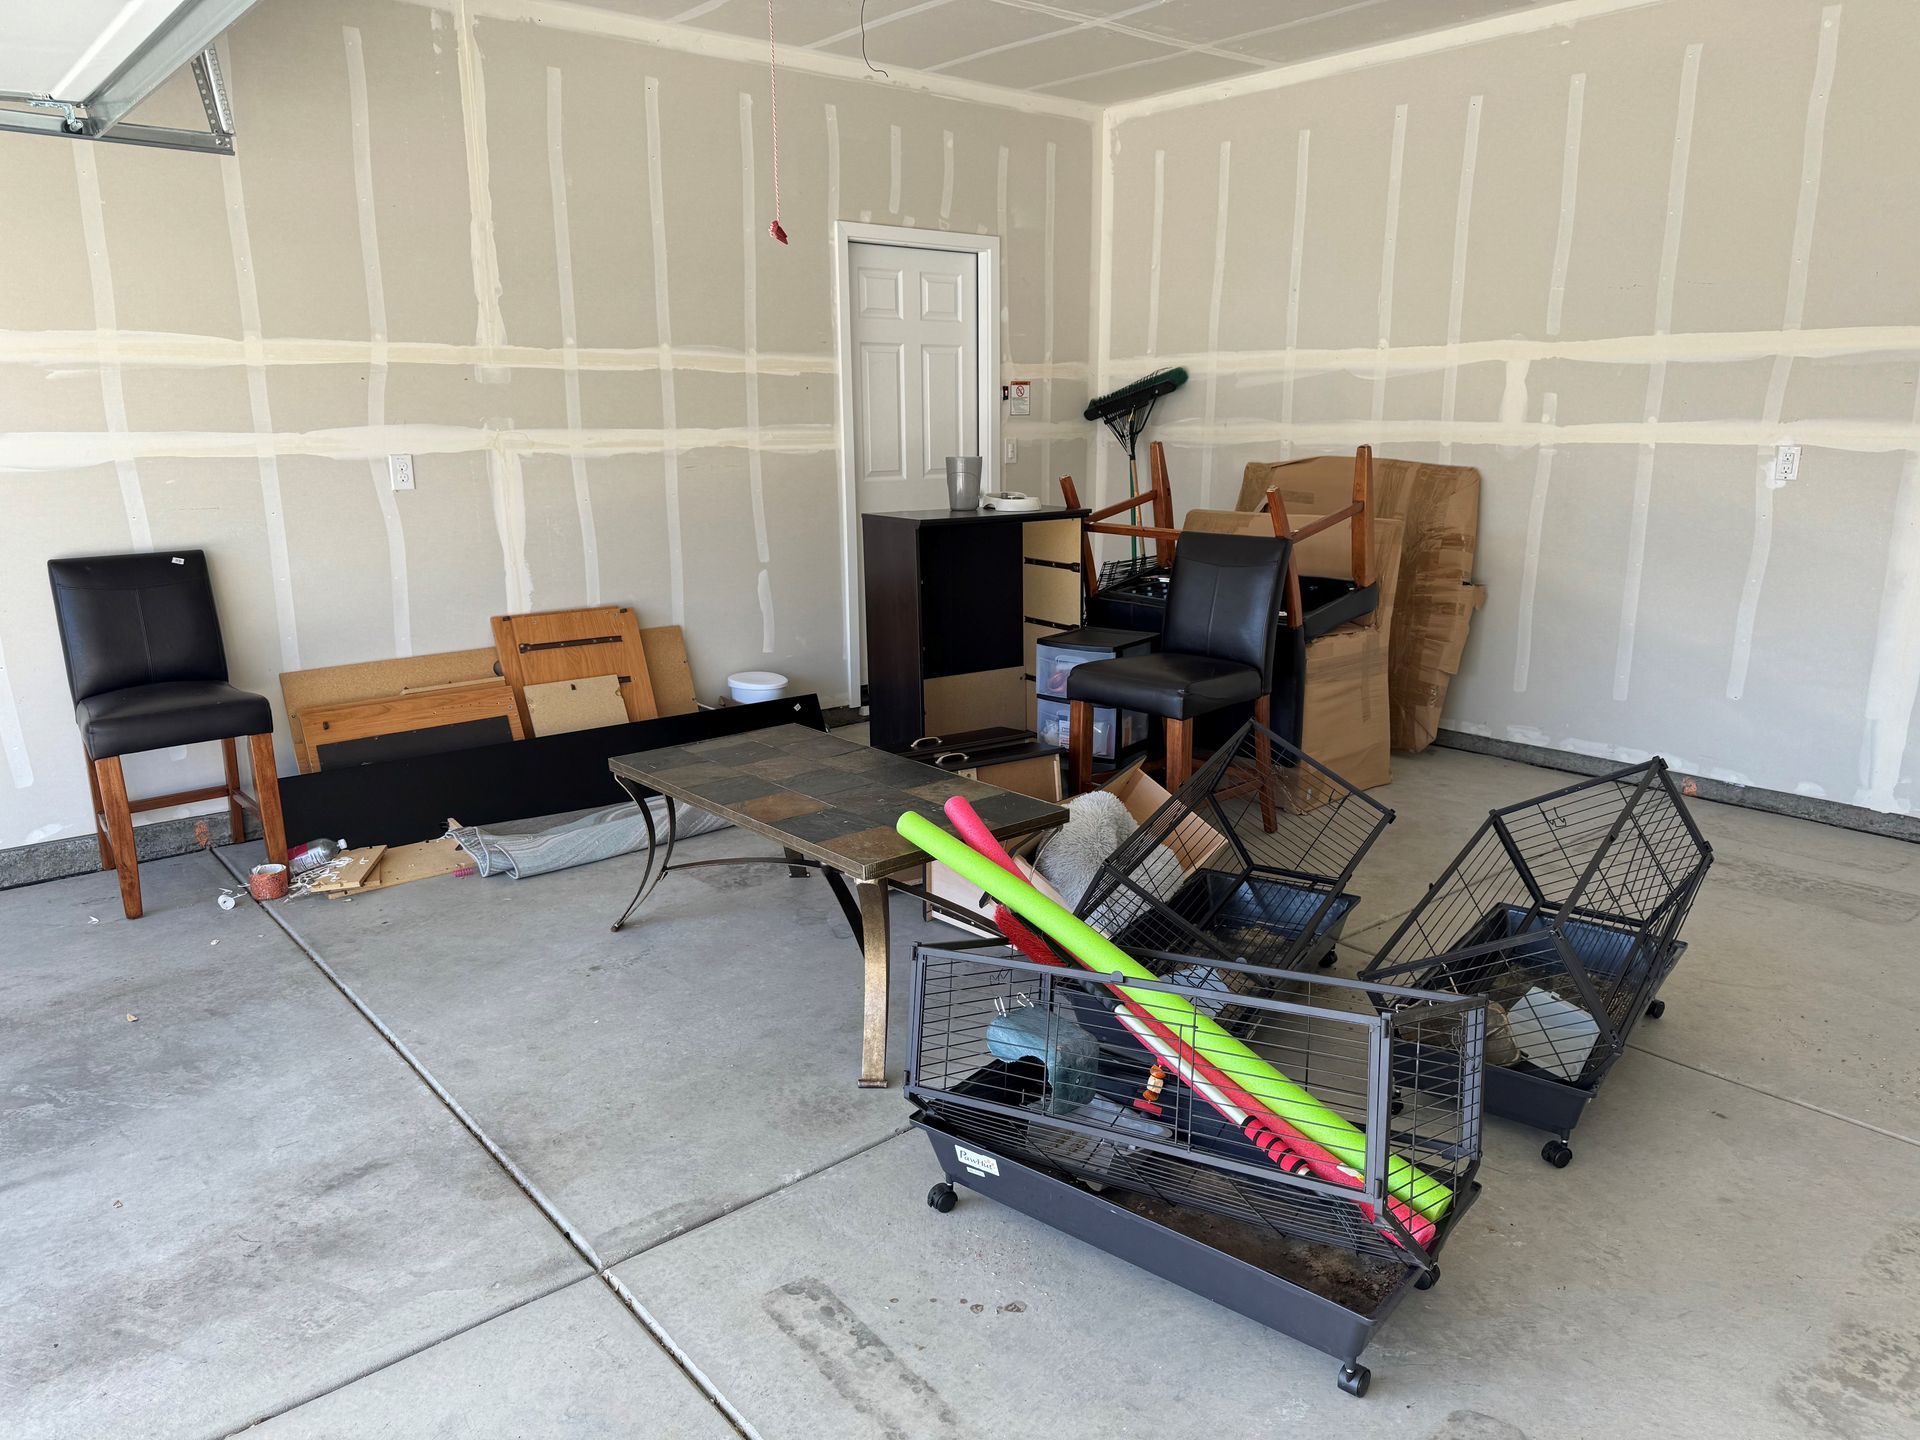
[1051,719]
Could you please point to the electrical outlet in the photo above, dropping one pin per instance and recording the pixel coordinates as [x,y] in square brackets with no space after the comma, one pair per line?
[400,470]
[1013,452]
[1786,464]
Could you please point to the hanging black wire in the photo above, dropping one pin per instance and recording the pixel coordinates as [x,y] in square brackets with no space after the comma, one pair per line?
[863,41]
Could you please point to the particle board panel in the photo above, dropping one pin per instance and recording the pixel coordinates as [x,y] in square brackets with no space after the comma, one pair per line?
[552,645]
[302,690]
[562,706]
[327,726]
[667,667]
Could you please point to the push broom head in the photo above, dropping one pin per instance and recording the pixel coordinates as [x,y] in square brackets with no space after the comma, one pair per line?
[1129,398]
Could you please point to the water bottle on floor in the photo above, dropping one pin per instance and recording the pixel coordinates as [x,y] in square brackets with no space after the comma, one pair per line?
[313,854]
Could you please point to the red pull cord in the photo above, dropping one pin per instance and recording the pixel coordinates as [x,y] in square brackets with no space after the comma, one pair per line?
[773,88]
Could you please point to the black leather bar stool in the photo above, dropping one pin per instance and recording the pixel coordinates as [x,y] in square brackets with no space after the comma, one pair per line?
[1223,608]
[148,671]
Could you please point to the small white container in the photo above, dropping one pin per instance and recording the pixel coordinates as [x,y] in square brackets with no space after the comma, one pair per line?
[749,687]
[1552,1033]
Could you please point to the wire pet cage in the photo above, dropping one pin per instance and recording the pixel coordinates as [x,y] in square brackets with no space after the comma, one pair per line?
[1249,862]
[1564,912]
[1078,1104]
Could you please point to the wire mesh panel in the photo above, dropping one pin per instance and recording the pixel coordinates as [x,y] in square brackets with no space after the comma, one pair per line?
[1249,862]
[1345,1113]
[1564,911]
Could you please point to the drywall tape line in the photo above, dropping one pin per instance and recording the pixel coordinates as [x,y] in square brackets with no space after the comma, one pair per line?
[1153,256]
[833,167]
[1002,219]
[509,492]
[1860,342]
[1389,251]
[272,509]
[113,396]
[750,320]
[946,178]
[1765,481]
[377,471]
[1457,285]
[160,350]
[490,327]
[1657,374]
[1569,195]
[1050,238]
[36,451]
[1536,529]
[1893,682]
[1100,297]
[569,328]
[1866,437]
[663,321]
[1221,213]
[13,738]
[1301,157]
[893,169]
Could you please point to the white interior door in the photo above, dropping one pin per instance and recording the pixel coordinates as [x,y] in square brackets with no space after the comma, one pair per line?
[916,381]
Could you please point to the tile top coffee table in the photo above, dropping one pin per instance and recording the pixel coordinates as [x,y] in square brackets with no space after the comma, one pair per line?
[830,805]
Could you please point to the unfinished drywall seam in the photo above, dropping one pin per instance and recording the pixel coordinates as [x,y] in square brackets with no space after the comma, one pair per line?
[663,323]
[1893,682]
[13,737]
[113,396]
[1457,285]
[893,169]
[1657,373]
[1389,253]
[1100,297]
[1047,477]
[570,329]
[1218,294]
[946,179]
[377,472]
[490,326]
[1004,223]
[507,487]
[750,312]
[1765,480]
[1536,530]
[1155,253]
[1302,153]
[273,513]
[1569,196]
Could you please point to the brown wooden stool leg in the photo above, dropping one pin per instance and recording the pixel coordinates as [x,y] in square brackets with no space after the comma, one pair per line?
[113,790]
[1179,753]
[236,816]
[1080,745]
[266,789]
[1263,759]
[99,833]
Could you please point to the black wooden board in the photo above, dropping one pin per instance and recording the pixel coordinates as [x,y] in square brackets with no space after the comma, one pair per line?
[405,744]
[396,802]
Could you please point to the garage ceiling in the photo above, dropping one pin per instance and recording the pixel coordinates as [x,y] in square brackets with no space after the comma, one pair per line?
[1101,51]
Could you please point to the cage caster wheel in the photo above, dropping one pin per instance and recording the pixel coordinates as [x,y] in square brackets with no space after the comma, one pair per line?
[1655,1009]
[1354,1379]
[942,1197]
[1557,1153]
[1328,960]
[1427,1279]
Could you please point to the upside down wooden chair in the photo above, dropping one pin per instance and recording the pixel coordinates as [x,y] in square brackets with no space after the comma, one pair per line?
[147,671]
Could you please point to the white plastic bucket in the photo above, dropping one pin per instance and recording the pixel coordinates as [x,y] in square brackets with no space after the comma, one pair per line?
[749,687]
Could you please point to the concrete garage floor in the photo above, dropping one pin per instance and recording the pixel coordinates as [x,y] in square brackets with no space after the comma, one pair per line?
[640,1177]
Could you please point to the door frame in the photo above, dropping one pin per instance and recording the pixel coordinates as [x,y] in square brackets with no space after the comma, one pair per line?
[986,252]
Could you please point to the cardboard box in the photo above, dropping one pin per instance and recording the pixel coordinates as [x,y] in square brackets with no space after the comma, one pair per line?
[1440,508]
[1038,776]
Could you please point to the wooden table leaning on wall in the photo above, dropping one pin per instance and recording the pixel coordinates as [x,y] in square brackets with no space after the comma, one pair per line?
[830,805]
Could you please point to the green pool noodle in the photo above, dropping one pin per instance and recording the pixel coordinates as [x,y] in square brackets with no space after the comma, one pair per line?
[1256,1076]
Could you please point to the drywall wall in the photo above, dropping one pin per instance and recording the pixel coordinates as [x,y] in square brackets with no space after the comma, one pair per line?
[532,253]
[1612,255]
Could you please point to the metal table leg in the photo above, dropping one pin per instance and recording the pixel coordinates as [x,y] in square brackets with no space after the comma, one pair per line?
[865,906]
